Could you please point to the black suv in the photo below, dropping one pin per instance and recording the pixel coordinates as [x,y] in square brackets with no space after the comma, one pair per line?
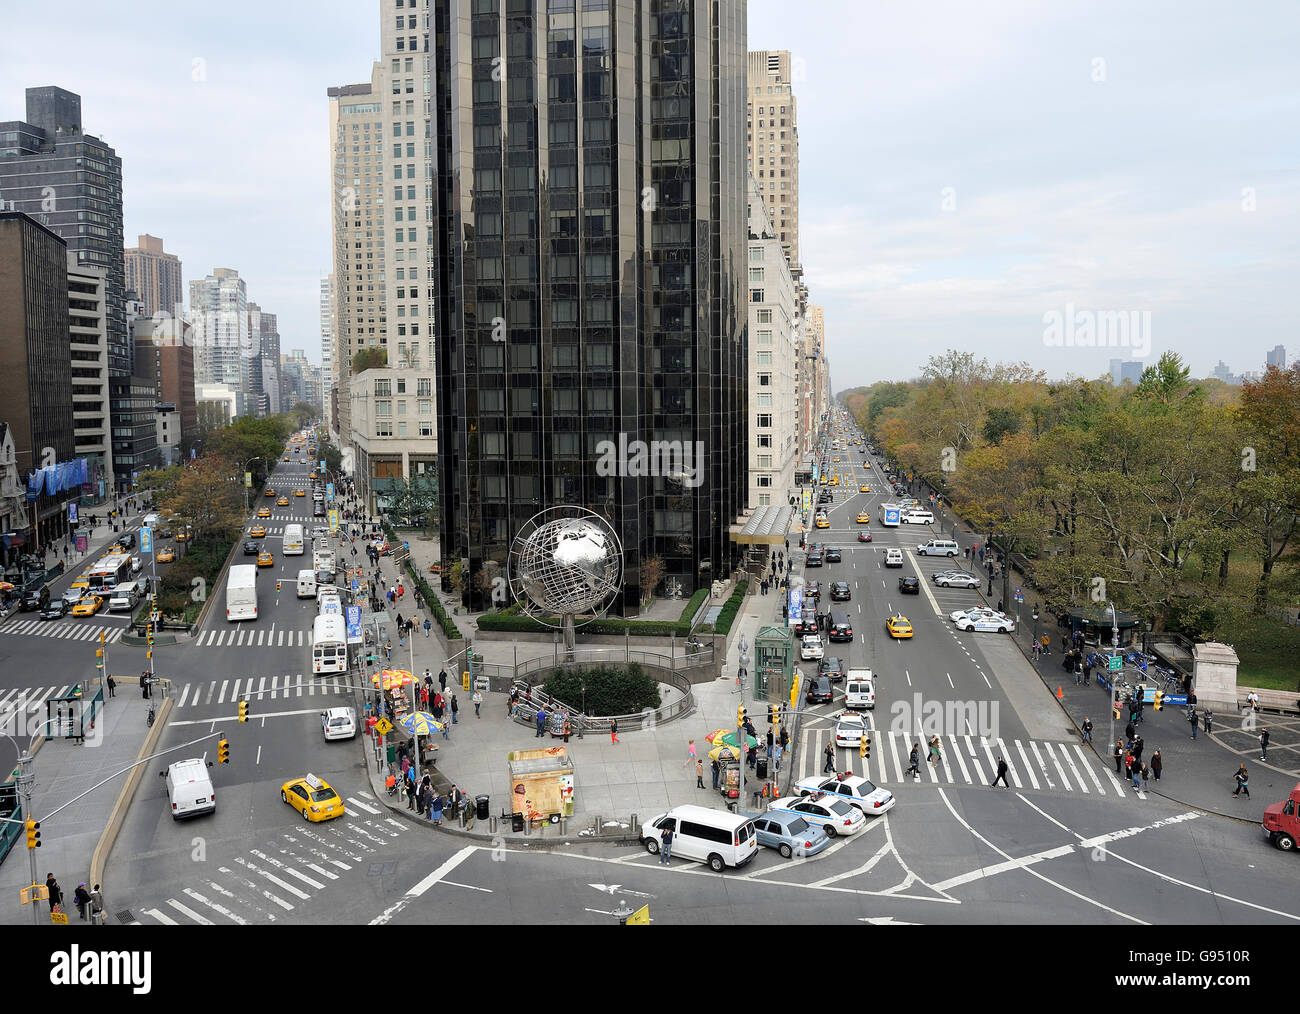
[252,547]
[841,592]
[819,690]
[841,627]
[814,559]
[909,585]
[808,625]
[831,668]
[833,555]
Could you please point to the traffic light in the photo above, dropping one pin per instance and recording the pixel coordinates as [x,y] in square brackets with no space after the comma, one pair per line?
[1159,701]
[740,714]
[277,587]
[148,633]
[771,714]
[243,711]
[99,659]
[864,745]
[33,833]
[223,751]
[1117,704]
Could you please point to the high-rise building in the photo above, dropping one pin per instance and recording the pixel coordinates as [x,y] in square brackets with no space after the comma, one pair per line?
[88,339]
[36,382]
[590,253]
[772,127]
[1276,358]
[164,353]
[261,362]
[775,351]
[219,316]
[1122,371]
[135,430]
[327,349]
[155,277]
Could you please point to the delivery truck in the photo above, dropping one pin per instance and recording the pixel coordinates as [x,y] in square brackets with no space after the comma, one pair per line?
[1282,821]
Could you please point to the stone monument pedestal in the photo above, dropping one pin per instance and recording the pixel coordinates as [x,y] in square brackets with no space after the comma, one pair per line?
[1214,679]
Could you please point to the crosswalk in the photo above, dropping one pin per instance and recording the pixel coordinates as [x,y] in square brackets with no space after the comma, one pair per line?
[276,879]
[28,700]
[73,630]
[1041,765]
[252,637]
[201,693]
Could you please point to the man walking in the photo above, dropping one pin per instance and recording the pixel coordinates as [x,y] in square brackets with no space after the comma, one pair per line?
[829,766]
[699,773]
[477,699]
[1002,774]
[1263,747]
[914,761]
[1192,720]
[541,723]
[455,707]
[1086,730]
[428,625]
[1243,781]
[442,680]
[1157,763]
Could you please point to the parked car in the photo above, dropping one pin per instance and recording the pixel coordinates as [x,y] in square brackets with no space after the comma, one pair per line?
[813,560]
[956,579]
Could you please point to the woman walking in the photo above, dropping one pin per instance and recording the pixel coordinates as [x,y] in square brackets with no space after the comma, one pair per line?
[1118,753]
[613,731]
[1243,781]
[934,751]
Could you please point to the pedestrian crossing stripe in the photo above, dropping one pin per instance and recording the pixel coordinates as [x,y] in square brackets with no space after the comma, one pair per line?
[1045,765]
[72,630]
[206,692]
[251,637]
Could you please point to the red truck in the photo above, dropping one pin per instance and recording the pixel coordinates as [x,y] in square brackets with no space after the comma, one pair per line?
[1282,822]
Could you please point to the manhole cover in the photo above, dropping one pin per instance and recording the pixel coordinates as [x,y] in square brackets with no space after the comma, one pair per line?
[125,917]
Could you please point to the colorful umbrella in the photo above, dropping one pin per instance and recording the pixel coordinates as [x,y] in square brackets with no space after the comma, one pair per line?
[6,586]
[391,678]
[730,740]
[421,723]
[723,752]
[715,735]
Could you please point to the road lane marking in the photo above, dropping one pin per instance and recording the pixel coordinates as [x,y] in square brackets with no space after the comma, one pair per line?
[1004,867]
[283,885]
[219,909]
[1005,754]
[221,699]
[419,889]
[185,693]
[1028,768]
[188,912]
[155,914]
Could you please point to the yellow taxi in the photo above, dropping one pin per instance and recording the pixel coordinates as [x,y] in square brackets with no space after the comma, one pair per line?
[265,559]
[89,605]
[314,475]
[286,457]
[282,502]
[299,492]
[182,536]
[864,488]
[82,583]
[257,532]
[313,798]
[116,547]
[822,522]
[166,555]
[835,461]
[864,518]
[835,480]
[898,626]
[825,479]
[269,492]
[264,512]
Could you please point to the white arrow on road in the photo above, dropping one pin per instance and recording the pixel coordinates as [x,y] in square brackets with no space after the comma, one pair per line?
[612,889]
[886,920]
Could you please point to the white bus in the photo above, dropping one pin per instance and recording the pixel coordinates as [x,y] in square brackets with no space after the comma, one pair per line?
[329,644]
[292,540]
[241,592]
[108,573]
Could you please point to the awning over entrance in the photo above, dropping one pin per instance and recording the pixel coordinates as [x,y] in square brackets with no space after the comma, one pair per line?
[766,526]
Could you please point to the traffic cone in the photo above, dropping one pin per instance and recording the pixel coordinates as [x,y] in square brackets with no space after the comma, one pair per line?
[1059,694]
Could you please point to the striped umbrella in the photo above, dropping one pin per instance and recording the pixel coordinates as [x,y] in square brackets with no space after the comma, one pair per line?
[421,723]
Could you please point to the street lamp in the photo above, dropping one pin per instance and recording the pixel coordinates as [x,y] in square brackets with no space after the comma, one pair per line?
[247,479]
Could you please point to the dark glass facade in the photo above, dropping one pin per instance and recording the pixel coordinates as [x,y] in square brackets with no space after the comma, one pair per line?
[590,260]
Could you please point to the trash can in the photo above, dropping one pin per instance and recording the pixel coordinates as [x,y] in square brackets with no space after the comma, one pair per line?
[481,806]
[761,768]
[516,822]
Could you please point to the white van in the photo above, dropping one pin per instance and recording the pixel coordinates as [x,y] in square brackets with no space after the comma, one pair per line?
[716,837]
[917,517]
[859,689]
[938,547]
[124,597]
[893,557]
[306,584]
[189,788]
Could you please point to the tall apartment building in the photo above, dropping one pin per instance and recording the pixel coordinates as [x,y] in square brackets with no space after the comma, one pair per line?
[88,339]
[155,277]
[775,351]
[135,430]
[1122,372]
[1276,358]
[327,350]
[772,127]
[219,316]
[36,381]
[261,362]
[590,230]
[164,354]
[358,315]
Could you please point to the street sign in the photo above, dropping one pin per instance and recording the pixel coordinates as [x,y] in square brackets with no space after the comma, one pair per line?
[1115,663]
[72,512]
[248,479]
[322,464]
[334,519]
[641,917]
[146,540]
[383,727]
[354,621]
[329,492]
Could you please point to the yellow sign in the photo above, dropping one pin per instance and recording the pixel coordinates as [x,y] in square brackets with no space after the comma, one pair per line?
[464,680]
[641,917]
[248,478]
[59,918]
[383,727]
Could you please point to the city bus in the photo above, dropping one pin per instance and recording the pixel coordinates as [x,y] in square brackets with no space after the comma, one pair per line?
[241,593]
[108,573]
[293,540]
[329,644]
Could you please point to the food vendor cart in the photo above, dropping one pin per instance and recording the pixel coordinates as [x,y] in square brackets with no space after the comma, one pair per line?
[541,783]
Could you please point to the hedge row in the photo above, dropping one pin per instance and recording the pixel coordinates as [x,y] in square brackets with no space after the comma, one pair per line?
[693,604]
[730,608]
[444,621]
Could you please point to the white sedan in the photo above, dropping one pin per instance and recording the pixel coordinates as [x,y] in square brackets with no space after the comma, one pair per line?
[339,723]
[861,792]
[833,815]
[956,579]
[811,648]
[849,728]
[957,615]
[998,622]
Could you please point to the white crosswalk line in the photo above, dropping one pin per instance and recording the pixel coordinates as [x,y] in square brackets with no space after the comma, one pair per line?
[212,689]
[280,643]
[362,806]
[893,753]
[185,693]
[261,686]
[219,909]
[1069,762]
[221,637]
[1041,766]
[189,912]
[116,636]
[961,761]
[287,870]
[993,763]
[1114,781]
[254,868]
[153,913]
[943,756]
[1065,780]
[221,698]
[1083,762]
[1026,766]
[1006,755]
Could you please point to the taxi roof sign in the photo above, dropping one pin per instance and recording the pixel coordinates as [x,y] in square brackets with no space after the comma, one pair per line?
[314,782]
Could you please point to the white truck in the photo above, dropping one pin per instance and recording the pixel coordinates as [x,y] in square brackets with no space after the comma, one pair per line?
[241,593]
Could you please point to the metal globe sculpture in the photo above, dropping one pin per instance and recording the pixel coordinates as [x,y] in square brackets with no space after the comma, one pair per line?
[566,561]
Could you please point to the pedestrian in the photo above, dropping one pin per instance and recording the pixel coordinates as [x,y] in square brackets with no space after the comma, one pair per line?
[690,753]
[428,625]
[1243,781]
[435,810]
[401,591]
[666,843]
[934,751]
[1157,763]
[784,739]
[1135,771]
[1137,748]
[112,687]
[442,679]
[1118,753]
[1086,729]
[1263,746]
[1035,648]
[422,799]
[613,731]
[699,773]
[477,699]
[455,709]
[568,729]
[540,719]
[1208,721]
[771,741]
[1002,774]
[716,770]
[829,766]
[1192,720]
[1252,699]
[81,897]
[981,555]
[776,757]
[1146,774]
[914,761]
[54,892]
[96,907]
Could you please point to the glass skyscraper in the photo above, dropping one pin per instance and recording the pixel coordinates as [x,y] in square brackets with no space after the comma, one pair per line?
[589,258]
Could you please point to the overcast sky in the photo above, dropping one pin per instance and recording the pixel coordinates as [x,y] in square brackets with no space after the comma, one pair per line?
[967,170]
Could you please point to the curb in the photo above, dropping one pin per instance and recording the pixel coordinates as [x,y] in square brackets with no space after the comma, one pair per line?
[117,815]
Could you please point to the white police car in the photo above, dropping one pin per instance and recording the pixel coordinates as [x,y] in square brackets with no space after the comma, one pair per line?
[957,615]
[832,814]
[999,622]
[849,729]
[858,791]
